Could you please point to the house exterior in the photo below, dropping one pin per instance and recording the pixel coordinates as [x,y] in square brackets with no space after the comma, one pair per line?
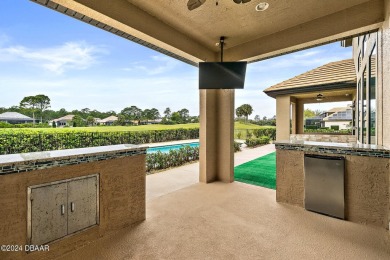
[63,121]
[108,120]
[15,118]
[332,82]
[339,117]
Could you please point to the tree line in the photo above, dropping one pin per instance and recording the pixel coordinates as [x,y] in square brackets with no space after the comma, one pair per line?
[38,107]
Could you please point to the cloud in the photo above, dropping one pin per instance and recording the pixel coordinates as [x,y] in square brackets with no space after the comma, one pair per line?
[57,59]
[306,58]
[157,65]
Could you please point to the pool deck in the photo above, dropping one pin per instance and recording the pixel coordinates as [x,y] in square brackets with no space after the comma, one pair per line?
[164,182]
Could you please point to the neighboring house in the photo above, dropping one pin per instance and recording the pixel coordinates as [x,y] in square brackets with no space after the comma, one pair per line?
[63,121]
[152,122]
[15,118]
[338,116]
[341,117]
[108,120]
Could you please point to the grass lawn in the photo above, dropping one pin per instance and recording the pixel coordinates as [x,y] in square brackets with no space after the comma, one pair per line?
[237,125]
[260,171]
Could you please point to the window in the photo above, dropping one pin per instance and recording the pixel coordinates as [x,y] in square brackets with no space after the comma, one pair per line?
[372,97]
[365,114]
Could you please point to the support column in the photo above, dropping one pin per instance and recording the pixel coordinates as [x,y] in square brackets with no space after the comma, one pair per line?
[216,135]
[294,118]
[300,113]
[283,118]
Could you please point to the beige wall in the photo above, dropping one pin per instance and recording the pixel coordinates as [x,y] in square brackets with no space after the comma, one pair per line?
[282,118]
[366,186]
[122,202]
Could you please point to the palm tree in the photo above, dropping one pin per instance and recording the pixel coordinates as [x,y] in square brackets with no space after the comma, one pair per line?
[244,110]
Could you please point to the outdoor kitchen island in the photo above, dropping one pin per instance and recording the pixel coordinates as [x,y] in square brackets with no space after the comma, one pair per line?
[366,177]
[54,202]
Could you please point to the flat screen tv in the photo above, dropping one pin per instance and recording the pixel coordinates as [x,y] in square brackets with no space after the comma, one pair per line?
[222,75]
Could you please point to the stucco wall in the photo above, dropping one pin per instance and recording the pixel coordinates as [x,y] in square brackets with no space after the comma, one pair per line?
[366,185]
[122,202]
[341,124]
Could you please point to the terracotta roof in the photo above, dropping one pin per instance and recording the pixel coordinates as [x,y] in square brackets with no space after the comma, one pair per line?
[334,75]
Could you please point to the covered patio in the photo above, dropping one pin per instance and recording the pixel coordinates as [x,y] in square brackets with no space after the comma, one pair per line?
[219,218]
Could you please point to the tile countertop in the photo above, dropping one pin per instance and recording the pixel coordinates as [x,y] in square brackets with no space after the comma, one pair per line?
[67,153]
[335,148]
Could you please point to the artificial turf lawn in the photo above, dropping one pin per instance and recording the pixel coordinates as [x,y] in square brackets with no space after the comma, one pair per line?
[260,171]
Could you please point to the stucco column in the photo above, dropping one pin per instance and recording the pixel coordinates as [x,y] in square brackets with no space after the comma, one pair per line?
[299,117]
[282,118]
[216,135]
[294,118]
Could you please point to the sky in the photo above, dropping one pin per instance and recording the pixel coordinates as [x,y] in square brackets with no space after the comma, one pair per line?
[80,66]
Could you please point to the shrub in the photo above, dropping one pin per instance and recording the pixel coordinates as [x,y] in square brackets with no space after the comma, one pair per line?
[335,127]
[237,147]
[174,158]
[311,127]
[328,131]
[269,132]
[253,142]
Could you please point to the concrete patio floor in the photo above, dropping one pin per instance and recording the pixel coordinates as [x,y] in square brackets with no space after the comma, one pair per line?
[192,220]
[235,221]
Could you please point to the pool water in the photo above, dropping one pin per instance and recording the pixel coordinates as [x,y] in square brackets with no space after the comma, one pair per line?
[167,148]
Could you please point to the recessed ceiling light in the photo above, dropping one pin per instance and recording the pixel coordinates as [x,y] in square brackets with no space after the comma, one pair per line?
[262,6]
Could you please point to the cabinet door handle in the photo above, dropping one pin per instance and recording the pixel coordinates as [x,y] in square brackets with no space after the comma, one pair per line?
[62,209]
[72,206]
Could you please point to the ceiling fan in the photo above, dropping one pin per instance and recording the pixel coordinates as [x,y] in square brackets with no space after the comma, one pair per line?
[193,4]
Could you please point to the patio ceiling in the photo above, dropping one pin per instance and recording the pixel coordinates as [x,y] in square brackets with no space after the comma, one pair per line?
[190,36]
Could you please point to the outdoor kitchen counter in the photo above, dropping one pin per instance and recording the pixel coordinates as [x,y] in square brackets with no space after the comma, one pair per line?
[24,162]
[366,177]
[117,199]
[334,148]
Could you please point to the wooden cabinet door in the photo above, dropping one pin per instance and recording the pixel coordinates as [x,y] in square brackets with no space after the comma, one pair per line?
[48,213]
[82,203]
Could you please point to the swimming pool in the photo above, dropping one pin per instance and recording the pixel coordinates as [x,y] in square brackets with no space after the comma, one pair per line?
[167,148]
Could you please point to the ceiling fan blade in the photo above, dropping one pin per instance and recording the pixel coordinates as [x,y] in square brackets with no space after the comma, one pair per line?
[193,4]
[241,1]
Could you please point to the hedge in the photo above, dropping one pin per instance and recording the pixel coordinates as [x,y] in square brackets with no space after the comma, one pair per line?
[253,142]
[25,142]
[250,133]
[174,158]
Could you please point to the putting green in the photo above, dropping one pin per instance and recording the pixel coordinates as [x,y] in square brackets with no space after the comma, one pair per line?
[260,171]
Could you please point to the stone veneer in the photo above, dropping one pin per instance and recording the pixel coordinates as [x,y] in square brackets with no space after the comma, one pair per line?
[335,148]
[324,138]
[16,163]
[122,173]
